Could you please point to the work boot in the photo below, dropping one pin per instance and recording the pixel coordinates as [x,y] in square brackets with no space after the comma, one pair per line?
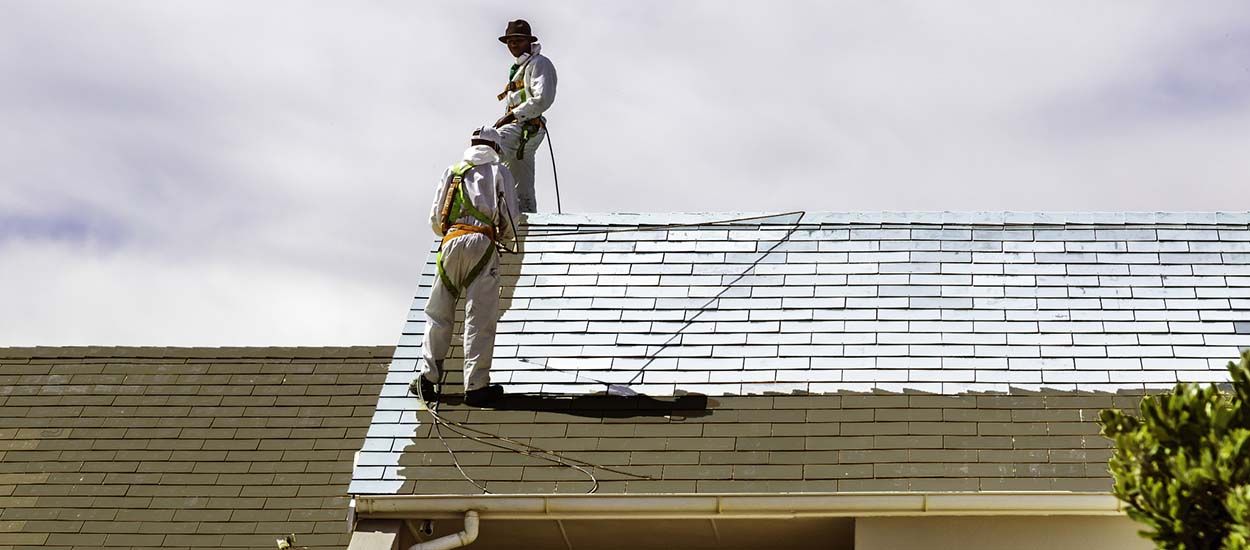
[482,397]
[427,389]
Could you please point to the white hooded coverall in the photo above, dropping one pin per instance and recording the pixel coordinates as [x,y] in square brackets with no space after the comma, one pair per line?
[527,104]
[483,185]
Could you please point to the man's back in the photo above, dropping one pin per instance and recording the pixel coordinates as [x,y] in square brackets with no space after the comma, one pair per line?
[484,183]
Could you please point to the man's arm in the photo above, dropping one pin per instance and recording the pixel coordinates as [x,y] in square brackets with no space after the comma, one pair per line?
[541,90]
[436,211]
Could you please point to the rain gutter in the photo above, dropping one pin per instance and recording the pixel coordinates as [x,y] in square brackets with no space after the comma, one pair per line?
[730,505]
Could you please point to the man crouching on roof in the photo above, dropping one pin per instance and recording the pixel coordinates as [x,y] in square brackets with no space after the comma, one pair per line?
[474,207]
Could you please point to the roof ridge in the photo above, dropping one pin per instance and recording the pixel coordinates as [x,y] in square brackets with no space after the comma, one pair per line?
[901,217]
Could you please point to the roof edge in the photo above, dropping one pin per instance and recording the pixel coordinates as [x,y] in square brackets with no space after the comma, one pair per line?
[895,217]
[158,352]
[738,505]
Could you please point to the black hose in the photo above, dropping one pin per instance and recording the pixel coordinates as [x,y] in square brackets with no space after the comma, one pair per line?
[555,175]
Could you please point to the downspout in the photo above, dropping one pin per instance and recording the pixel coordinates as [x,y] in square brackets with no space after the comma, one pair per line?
[455,540]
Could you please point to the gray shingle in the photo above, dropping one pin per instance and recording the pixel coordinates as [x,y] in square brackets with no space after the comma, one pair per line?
[1234,234]
[941,234]
[1188,235]
[890,246]
[878,257]
[848,246]
[596,269]
[187,461]
[1156,246]
[796,269]
[971,268]
[1002,234]
[1125,235]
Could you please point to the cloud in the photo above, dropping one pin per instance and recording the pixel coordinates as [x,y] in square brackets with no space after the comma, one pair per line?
[1203,78]
[280,157]
[76,295]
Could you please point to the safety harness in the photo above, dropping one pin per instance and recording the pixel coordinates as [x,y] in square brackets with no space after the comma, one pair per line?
[455,205]
[529,128]
[514,83]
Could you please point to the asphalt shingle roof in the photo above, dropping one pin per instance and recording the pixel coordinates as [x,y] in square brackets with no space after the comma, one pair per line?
[837,302]
[181,448]
[1026,323]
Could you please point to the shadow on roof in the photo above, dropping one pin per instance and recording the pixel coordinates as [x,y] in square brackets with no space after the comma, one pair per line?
[602,405]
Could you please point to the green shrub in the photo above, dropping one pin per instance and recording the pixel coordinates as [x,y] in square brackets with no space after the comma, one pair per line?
[1183,466]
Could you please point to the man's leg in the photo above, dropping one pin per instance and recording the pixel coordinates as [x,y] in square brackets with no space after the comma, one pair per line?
[481,314]
[527,165]
[522,168]
[440,316]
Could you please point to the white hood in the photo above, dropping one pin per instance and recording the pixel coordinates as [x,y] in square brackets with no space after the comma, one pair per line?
[478,155]
[535,49]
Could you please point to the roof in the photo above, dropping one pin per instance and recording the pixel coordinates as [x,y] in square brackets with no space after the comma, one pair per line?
[834,351]
[823,306]
[181,447]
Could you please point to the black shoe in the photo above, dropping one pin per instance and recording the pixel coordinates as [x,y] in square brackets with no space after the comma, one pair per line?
[427,389]
[482,397]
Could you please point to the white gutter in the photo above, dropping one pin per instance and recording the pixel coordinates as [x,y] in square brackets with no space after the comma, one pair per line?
[454,540]
[753,506]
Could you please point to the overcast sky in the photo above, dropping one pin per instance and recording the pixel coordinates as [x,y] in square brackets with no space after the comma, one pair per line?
[258,173]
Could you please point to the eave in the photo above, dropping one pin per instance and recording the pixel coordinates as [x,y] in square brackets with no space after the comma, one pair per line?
[737,506]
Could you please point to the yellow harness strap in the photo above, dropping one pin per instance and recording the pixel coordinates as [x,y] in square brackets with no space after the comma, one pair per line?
[511,87]
[462,229]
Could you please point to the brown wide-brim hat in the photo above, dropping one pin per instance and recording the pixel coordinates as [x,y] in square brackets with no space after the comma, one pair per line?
[517,29]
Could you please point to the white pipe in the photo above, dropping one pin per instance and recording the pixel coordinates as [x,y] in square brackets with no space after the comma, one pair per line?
[455,540]
[688,506]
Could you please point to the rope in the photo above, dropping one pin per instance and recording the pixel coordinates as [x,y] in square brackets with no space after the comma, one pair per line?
[438,420]
[529,230]
[554,174]
[466,431]
[542,232]
[506,210]
[702,309]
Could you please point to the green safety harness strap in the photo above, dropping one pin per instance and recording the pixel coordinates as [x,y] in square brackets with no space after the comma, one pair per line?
[468,280]
[460,206]
[529,128]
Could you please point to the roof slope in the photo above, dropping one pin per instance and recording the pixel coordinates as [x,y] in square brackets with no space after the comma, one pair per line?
[940,303]
[180,448]
[985,343]
[753,444]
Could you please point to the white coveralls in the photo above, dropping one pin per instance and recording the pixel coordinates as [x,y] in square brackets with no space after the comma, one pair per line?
[483,184]
[527,103]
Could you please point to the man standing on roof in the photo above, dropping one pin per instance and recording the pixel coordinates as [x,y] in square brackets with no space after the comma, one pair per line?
[474,208]
[530,92]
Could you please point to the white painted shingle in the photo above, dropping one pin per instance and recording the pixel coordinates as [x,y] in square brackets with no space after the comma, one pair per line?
[939,301]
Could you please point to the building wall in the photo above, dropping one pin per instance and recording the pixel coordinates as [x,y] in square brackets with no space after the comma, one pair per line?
[992,533]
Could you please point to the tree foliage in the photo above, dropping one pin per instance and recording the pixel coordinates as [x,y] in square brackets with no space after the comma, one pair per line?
[1183,466]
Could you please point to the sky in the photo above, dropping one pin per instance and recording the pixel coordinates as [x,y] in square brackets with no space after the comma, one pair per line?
[177,173]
